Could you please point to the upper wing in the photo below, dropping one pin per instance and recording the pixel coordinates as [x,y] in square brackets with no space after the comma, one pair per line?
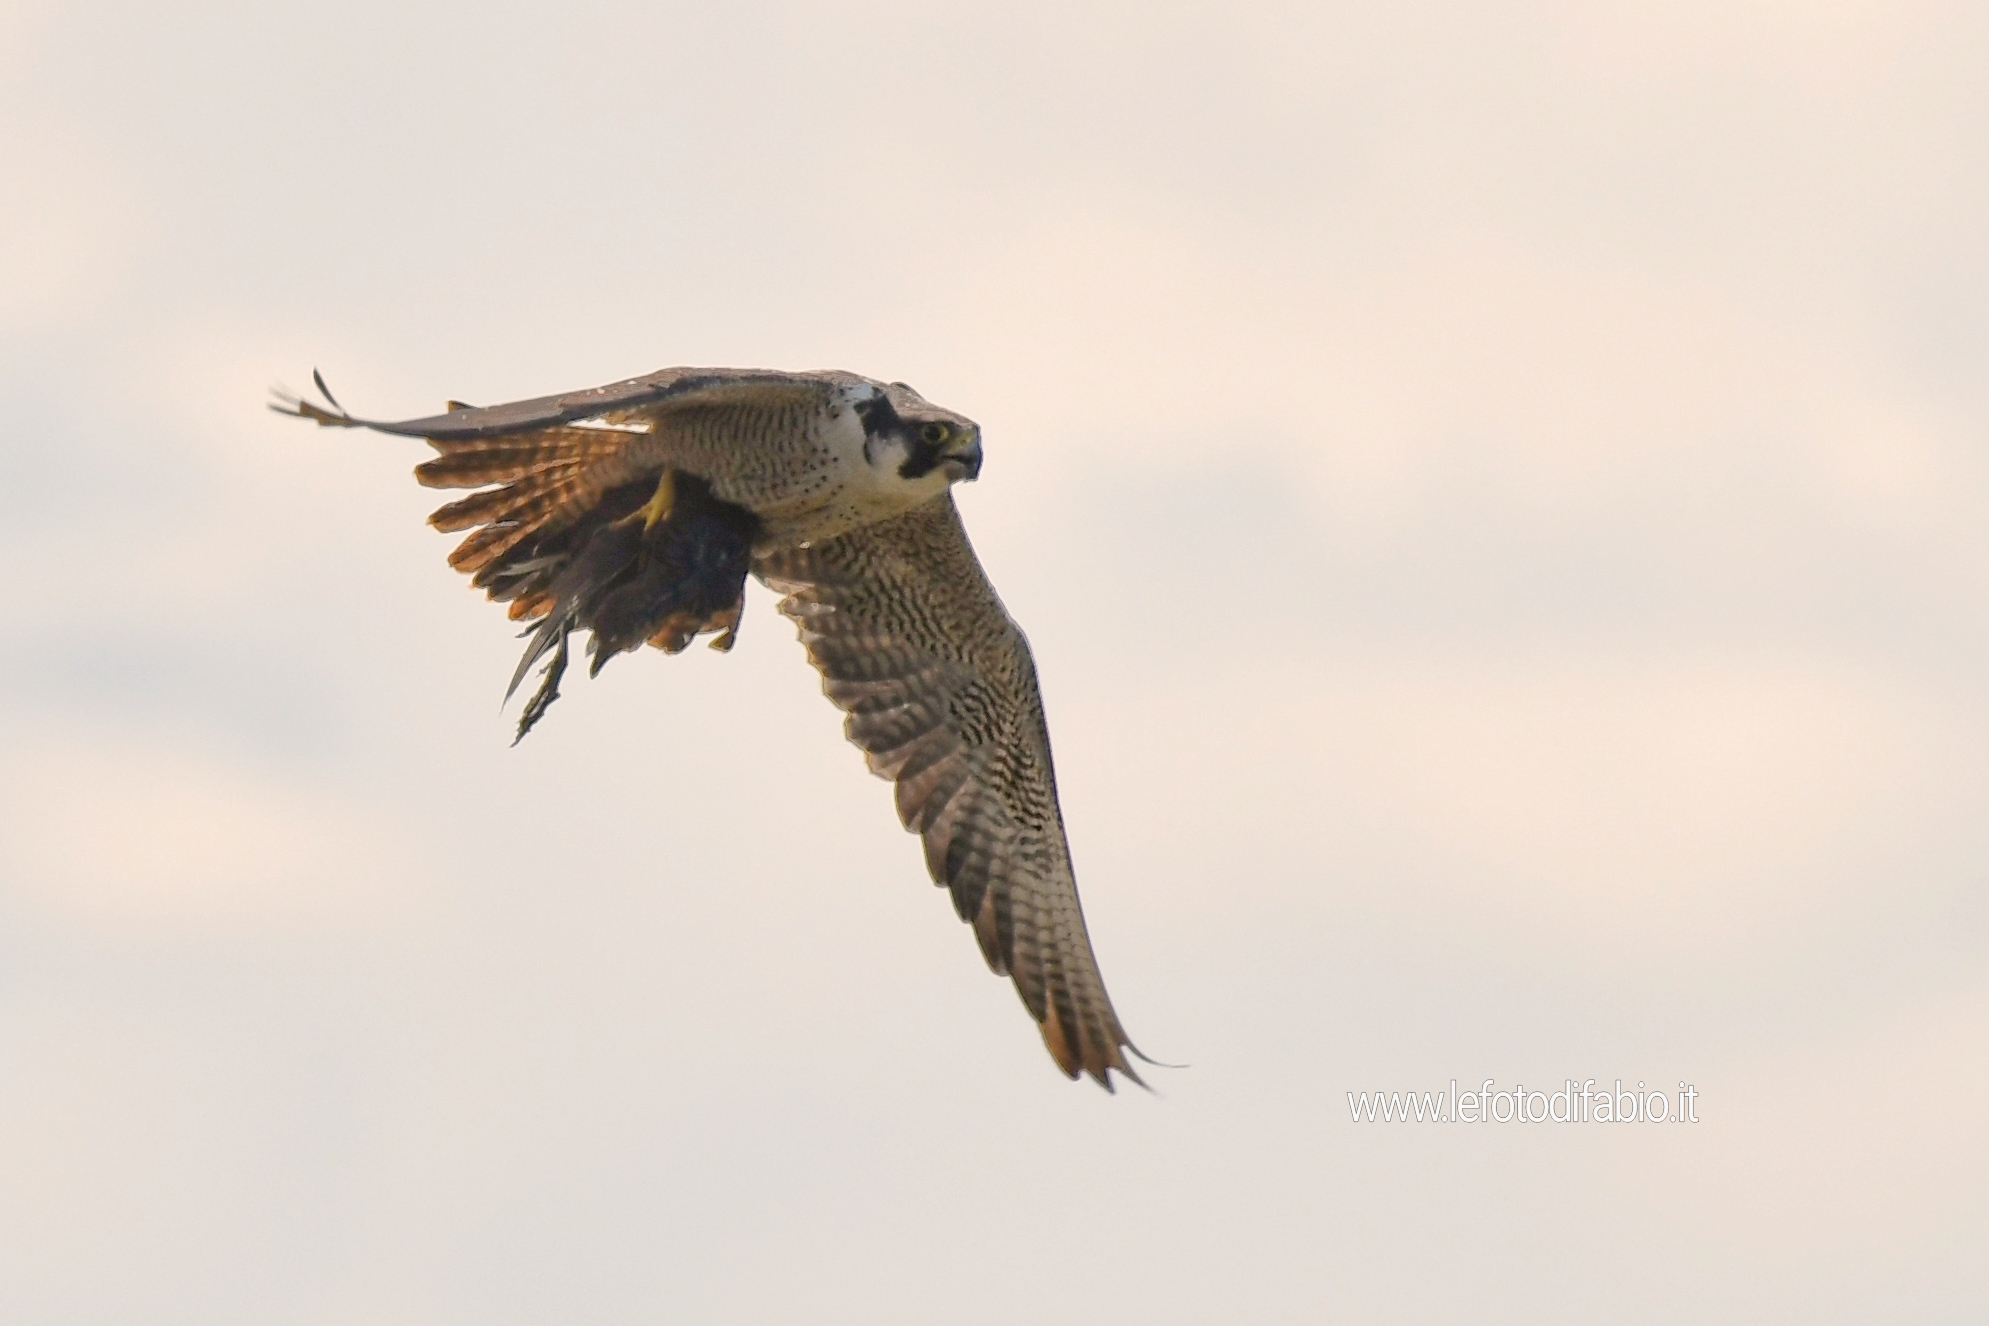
[941,694]
[618,402]
[565,466]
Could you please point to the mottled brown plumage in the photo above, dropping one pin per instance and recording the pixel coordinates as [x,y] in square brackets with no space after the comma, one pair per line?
[634,512]
[941,693]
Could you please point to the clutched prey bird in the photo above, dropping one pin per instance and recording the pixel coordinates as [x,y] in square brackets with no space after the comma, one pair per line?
[635,511]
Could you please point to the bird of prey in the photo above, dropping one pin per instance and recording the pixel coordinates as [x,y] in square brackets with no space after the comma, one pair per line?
[635,511]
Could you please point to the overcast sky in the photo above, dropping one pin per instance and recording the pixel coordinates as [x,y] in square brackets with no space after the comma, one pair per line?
[1499,498]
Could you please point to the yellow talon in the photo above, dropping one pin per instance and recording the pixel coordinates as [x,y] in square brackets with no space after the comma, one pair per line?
[658,508]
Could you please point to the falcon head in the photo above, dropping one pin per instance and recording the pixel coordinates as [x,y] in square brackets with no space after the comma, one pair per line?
[907,436]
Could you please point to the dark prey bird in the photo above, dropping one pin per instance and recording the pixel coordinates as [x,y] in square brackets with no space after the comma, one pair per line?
[635,511]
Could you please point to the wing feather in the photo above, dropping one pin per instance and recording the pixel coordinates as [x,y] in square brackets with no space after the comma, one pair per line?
[941,695]
[624,403]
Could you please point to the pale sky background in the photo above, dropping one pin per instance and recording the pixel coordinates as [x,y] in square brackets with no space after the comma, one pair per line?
[1499,498]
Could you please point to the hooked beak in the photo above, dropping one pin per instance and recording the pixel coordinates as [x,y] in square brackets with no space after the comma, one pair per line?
[962,458]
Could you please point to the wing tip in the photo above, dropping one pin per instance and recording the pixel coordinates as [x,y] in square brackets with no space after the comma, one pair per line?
[296,406]
[1103,1074]
[1095,1062]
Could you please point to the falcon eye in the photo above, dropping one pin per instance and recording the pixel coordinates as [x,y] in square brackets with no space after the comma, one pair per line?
[934,433]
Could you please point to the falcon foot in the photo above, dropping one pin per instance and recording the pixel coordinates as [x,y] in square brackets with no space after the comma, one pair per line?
[657,510]
[672,569]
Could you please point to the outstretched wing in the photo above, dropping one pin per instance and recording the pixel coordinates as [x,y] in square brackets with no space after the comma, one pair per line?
[630,400]
[941,694]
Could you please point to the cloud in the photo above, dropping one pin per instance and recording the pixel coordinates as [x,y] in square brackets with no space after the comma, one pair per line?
[116,832]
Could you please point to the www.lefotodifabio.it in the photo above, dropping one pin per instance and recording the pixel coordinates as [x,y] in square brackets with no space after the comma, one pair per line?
[1575,1102]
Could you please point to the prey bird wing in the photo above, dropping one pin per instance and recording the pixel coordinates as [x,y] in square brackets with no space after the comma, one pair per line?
[941,693]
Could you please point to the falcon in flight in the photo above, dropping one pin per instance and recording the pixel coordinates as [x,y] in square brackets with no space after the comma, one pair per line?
[634,512]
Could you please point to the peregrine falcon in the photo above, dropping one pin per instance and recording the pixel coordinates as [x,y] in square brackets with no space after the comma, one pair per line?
[634,512]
